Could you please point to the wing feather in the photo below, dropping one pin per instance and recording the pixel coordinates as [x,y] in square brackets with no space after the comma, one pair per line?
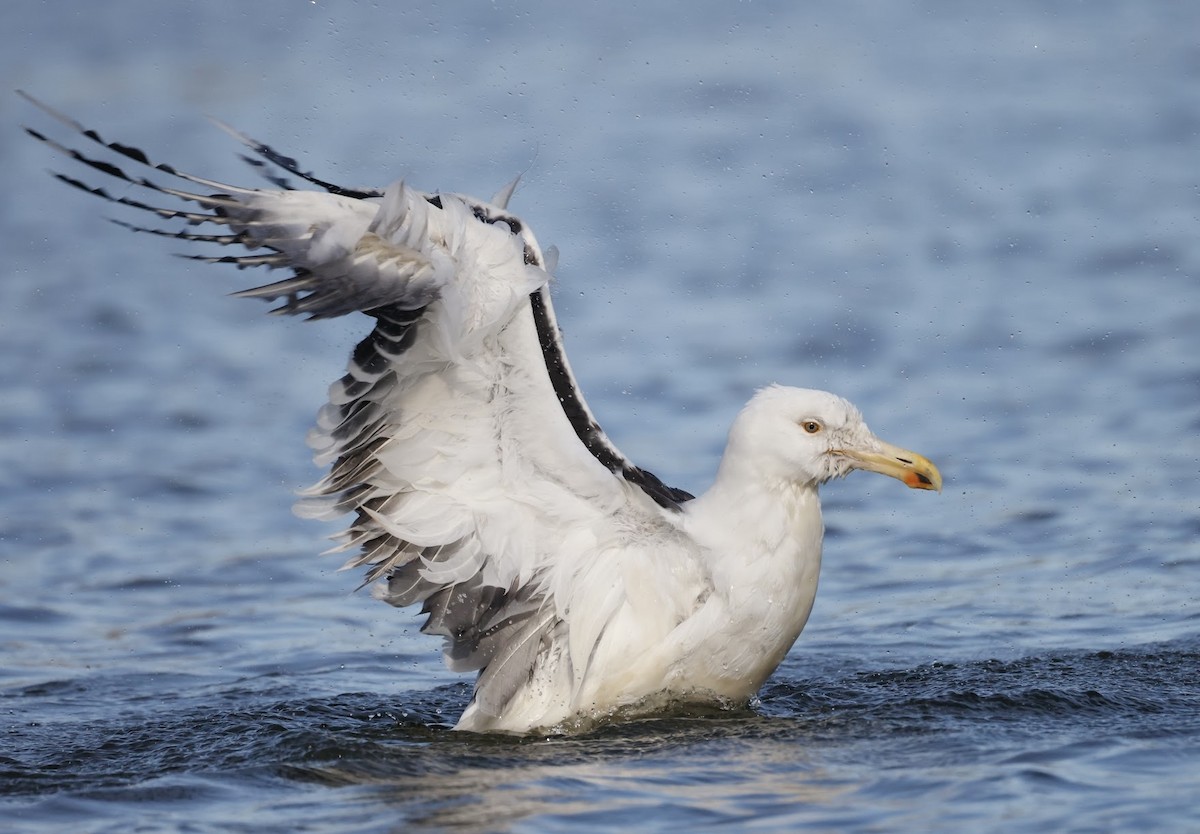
[478,478]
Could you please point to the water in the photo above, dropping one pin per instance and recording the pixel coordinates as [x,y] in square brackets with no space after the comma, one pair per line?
[977,223]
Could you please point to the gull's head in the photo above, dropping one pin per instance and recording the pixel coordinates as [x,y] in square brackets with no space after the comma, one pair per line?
[807,437]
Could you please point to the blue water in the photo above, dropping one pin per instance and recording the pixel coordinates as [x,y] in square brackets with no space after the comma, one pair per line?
[980,222]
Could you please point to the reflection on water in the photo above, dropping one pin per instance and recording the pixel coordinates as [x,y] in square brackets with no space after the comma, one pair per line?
[699,774]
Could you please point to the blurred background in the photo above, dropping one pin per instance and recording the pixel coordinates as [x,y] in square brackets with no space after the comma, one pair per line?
[979,223]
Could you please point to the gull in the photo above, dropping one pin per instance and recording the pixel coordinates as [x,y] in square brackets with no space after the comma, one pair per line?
[576,585]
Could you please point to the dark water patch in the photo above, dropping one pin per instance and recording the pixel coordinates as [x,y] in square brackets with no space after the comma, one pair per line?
[176,487]
[185,737]
[20,534]
[1017,246]
[113,320]
[1133,257]
[838,342]
[1033,515]
[136,583]
[45,689]
[1100,346]
[1127,692]
[189,421]
[88,694]
[30,615]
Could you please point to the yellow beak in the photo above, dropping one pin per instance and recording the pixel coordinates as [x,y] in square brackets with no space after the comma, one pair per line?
[914,470]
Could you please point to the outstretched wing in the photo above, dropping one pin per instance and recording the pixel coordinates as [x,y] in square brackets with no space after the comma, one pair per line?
[480,483]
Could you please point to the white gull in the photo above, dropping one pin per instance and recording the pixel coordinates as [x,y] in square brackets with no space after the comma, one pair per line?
[576,584]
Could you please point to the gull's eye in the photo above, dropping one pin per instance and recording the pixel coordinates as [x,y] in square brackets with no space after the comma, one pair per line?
[811,426]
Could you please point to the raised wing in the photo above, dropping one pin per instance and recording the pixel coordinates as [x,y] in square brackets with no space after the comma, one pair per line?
[481,484]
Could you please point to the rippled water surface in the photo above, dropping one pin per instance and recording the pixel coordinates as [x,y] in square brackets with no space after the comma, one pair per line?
[979,222]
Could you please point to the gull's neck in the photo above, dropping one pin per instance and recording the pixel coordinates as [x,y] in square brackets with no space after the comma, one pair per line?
[747,518]
[761,539]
